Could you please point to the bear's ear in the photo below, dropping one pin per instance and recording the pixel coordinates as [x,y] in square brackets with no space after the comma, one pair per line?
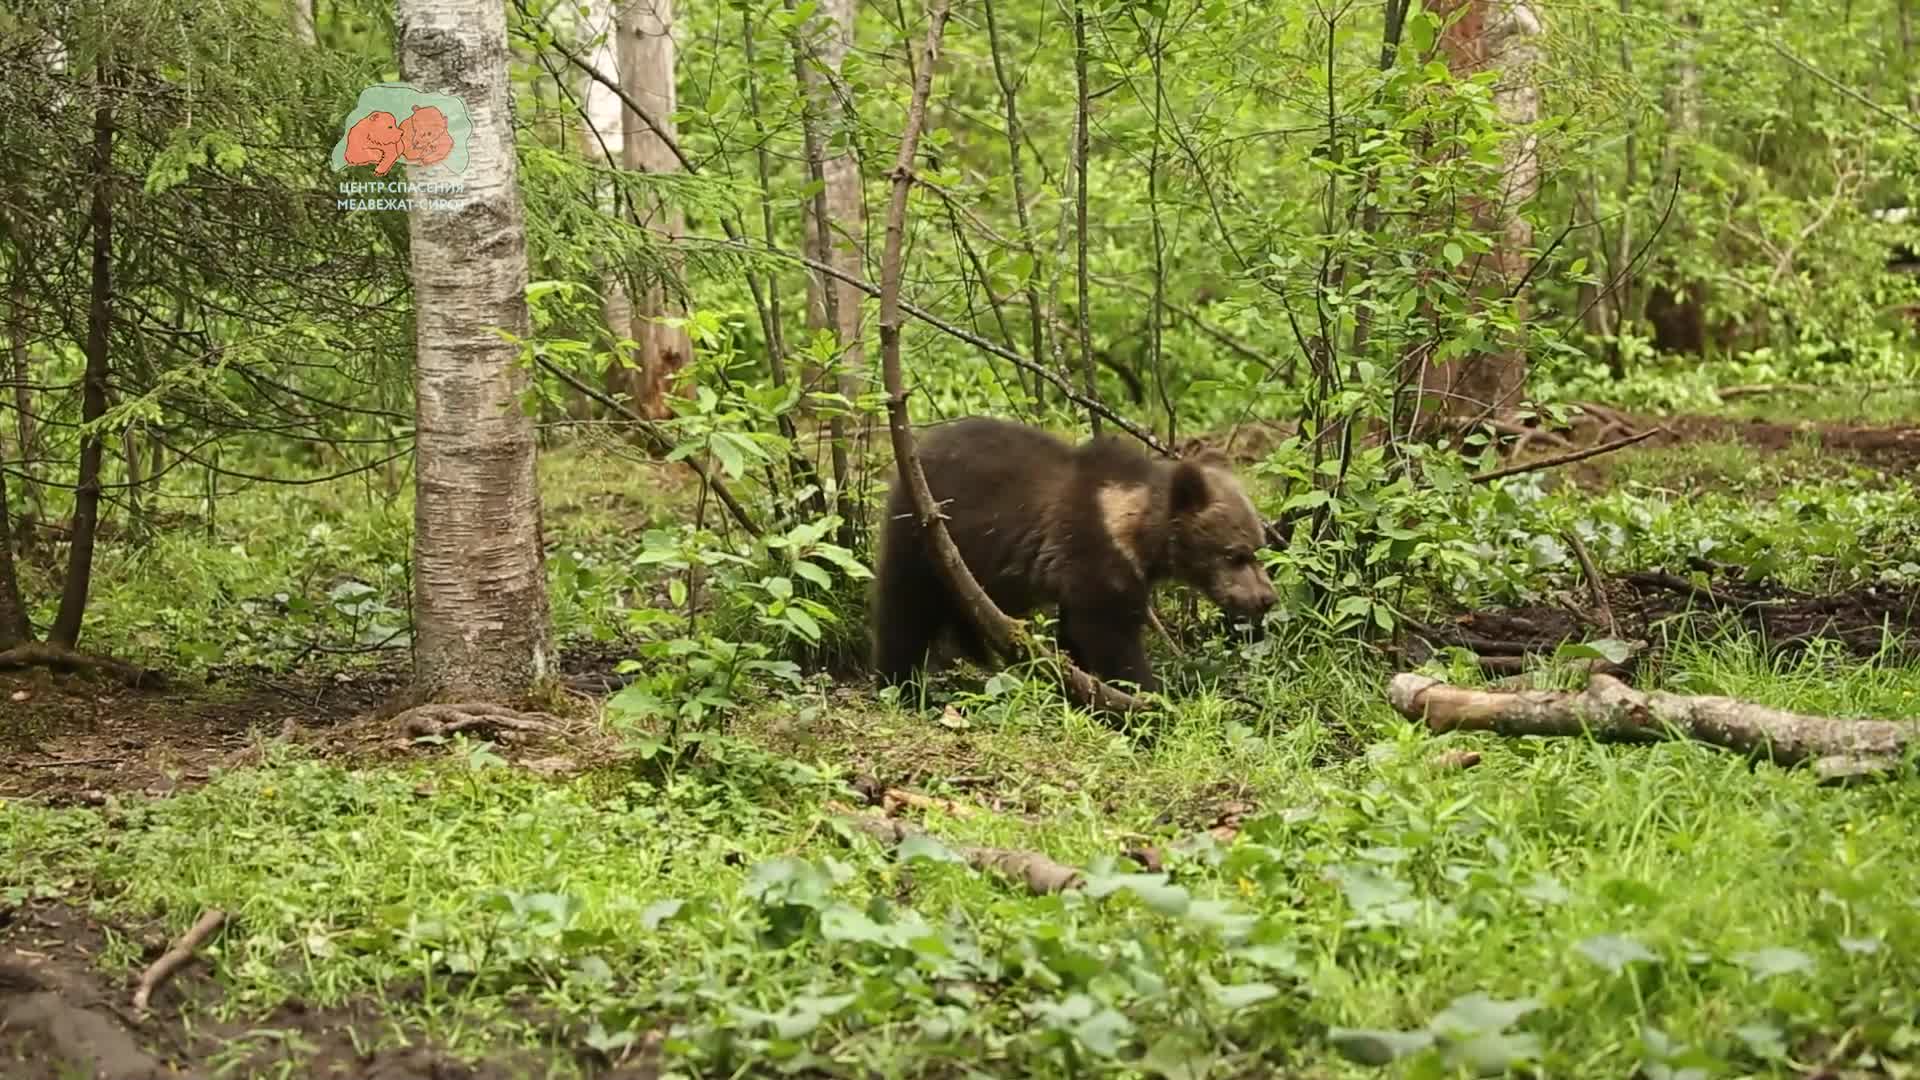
[1190,492]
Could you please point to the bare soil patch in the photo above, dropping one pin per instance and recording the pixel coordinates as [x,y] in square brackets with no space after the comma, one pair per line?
[1865,619]
[69,739]
[62,1014]
[1892,449]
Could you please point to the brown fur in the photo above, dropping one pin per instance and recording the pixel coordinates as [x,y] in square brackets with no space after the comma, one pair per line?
[1091,529]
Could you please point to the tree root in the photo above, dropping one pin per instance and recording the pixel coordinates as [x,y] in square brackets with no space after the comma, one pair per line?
[1838,750]
[893,799]
[1040,874]
[176,958]
[61,658]
[424,721]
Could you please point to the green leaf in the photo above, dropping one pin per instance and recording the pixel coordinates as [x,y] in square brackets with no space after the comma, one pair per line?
[1178,1057]
[1307,500]
[780,588]
[1378,1047]
[813,573]
[731,461]
[1478,1014]
[1152,889]
[923,847]
[1614,952]
[1105,1032]
[1243,995]
[660,911]
[1608,649]
[1766,963]
[1453,254]
[1420,33]
[803,623]
[1491,1053]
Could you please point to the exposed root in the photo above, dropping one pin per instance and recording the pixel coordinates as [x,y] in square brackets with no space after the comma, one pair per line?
[424,721]
[1675,583]
[61,658]
[1597,585]
[892,799]
[176,958]
[1837,749]
[1040,874]
[1454,759]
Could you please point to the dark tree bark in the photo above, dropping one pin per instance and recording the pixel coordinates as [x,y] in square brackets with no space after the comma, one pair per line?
[93,395]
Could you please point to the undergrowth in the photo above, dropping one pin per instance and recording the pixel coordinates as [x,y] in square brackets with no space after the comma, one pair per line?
[1585,909]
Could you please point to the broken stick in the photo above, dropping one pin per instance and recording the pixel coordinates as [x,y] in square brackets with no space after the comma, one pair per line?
[176,958]
[1608,709]
[1040,874]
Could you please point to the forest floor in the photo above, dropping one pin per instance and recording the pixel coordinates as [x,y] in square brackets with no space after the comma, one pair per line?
[1307,888]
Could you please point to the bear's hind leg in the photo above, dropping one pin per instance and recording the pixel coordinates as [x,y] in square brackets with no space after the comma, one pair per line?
[1107,642]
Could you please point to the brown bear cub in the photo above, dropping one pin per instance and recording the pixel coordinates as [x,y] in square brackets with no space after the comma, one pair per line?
[1090,529]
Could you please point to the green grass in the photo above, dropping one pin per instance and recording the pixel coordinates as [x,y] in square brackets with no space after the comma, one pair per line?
[1733,908]
[1656,907]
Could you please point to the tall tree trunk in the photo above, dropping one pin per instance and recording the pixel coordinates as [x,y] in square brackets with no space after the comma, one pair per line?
[647,75]
[835,222]
[1037,328]
[1498,35]
[1676,310]
[26,434]
[300,14]
[480,596]
[1905,10]
[93,394]
[600,142]
[14,629]
[1082,122]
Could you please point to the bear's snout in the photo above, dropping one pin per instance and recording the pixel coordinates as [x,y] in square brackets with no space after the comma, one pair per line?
[1249,595]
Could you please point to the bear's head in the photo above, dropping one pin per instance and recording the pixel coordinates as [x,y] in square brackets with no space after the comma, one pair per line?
[1214,536]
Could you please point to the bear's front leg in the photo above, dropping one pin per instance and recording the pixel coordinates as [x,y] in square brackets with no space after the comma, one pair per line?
[1108,642]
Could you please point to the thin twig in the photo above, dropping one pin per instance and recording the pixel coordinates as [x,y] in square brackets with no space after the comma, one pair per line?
[987,345]
[176,958]
[1844,88]
[1595,583]
[1565,459]
[653,435]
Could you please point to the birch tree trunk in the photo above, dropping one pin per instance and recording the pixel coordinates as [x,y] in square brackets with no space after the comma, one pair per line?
[601,143]
[300,13]
[1501,35]
[832,38]
[835,227]
[1904,10]
[480,597]
[646,51]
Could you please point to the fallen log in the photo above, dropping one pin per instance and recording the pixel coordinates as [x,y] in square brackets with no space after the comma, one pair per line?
[1837,749]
